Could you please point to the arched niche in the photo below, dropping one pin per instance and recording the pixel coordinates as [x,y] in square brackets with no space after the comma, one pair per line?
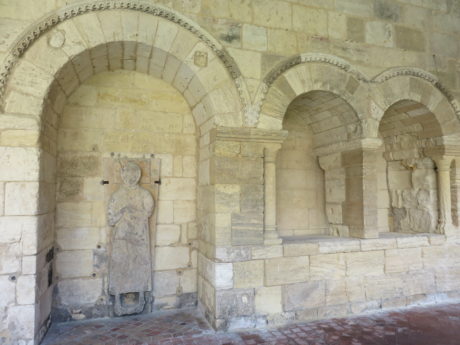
[407,181]
[310,200]
[55,66]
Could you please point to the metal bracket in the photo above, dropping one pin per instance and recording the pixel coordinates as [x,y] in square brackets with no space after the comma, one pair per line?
[158,182]
[103,182]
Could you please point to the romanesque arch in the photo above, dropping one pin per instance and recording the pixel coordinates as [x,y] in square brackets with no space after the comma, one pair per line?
[305,73]
[54,42]
[398,84]
[51,60]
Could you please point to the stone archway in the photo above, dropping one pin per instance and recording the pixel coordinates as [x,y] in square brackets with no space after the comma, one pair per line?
[81,42]
[310,198]
[348,153]
[305,73]
[435,127]
[415,85]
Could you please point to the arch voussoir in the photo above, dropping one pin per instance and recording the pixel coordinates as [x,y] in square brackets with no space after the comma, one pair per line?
[112,33]
[306,74]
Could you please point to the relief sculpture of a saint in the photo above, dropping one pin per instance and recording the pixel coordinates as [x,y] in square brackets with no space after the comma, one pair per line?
[130,272]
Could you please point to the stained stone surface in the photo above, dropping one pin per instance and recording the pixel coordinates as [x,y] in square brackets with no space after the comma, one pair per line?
[130,275]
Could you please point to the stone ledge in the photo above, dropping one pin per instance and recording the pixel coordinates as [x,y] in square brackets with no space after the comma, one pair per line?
[331,244]
[316,245]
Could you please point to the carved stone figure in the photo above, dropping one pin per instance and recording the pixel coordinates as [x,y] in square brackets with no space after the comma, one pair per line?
[130,275]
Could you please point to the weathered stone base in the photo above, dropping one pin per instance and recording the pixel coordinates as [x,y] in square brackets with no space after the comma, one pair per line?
[331,277]
[62,314]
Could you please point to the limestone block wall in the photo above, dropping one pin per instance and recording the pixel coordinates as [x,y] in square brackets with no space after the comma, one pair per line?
[133,116]
[26,222]
[300,183]
[237,212]
[310,280]
[26,241]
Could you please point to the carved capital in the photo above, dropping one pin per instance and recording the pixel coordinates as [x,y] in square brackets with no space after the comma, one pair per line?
[443,163]
[270,152]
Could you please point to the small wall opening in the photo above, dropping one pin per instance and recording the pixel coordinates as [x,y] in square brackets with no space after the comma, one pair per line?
[410,191]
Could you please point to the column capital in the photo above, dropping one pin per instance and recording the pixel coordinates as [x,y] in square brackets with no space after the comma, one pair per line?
[270,152]
[443,162]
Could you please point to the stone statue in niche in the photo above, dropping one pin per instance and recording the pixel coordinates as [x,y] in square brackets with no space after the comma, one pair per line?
[130,274]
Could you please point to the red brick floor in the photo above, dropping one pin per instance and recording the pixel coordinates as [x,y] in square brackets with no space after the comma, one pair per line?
[434,325]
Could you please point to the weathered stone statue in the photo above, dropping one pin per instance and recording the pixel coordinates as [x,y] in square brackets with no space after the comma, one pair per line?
[130,275]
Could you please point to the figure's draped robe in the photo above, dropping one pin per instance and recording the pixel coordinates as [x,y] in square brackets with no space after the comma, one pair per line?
[130,262]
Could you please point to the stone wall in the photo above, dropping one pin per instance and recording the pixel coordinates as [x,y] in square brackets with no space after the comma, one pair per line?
[112,117]
[323,278]
[300,183]
[237,66]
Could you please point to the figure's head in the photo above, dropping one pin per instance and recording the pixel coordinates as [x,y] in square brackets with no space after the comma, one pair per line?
[130,174]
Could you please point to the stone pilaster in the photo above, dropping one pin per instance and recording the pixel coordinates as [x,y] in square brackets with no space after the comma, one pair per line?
[270,231]
[351,188]
[443,156]
[245,158]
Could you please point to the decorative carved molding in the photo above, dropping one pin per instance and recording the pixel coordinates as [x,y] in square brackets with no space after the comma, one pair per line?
[419,73]
[346,67]
[39,28]
[289,63]
[312,57]
[251,111]
[404,71]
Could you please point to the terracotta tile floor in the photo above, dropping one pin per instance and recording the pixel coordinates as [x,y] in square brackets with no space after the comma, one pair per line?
[434,325]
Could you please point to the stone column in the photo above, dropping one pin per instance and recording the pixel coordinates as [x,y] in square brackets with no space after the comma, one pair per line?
[444,194]
[270,231]
[455,189]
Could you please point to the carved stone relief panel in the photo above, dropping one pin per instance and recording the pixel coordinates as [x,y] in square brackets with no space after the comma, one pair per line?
[130,261]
